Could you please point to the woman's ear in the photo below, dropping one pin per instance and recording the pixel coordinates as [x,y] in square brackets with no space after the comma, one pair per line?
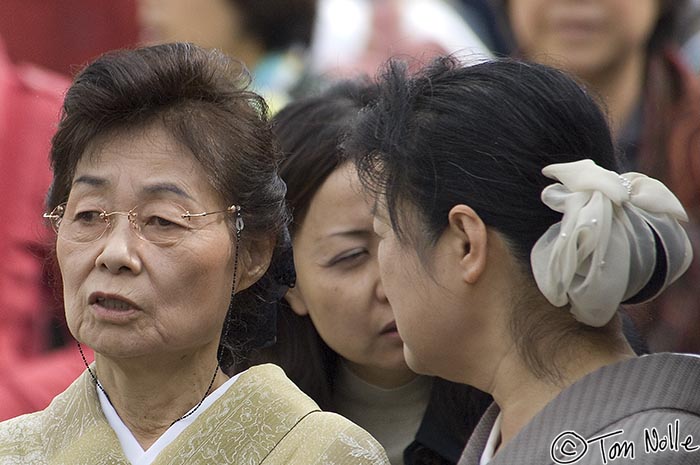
[296,301]
[470,237]
[253,261]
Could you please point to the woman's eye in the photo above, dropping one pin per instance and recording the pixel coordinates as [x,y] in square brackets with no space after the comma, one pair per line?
[161,222]
[350,259]
[88,216]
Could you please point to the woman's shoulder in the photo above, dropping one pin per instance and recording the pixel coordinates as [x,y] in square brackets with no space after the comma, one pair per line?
[269,383]
[656,436]
[326,437]
[612,407]
[313,436]
[21,439]
[650,427]
[660,380]
[30,438]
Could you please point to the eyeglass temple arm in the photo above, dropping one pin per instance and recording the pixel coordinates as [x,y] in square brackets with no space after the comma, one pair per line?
[53,215]
[231,209]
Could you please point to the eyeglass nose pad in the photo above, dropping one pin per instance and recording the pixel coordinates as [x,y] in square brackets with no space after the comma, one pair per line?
[108,226]
[132,216]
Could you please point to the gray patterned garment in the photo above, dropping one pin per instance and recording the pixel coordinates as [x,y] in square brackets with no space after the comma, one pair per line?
[647,408]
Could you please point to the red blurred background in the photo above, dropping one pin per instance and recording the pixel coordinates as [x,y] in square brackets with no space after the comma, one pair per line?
[62,35]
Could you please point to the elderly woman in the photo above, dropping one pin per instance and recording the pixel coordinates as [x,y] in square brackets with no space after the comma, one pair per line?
[508,243]
[270,36]
[167,208]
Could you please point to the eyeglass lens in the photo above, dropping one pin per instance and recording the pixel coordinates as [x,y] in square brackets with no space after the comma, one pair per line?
[159,222]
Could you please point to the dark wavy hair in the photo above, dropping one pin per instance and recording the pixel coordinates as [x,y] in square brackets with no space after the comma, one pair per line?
[200,98]
[480,135]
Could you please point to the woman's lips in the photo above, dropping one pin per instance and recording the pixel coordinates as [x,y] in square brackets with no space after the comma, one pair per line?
[389,328]
[577,29]
[112,308]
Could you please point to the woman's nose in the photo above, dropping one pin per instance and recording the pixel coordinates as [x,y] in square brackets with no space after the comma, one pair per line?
[379,287]
[119,248]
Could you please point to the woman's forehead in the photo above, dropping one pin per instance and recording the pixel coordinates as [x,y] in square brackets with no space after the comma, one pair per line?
[152,139]
[149,162]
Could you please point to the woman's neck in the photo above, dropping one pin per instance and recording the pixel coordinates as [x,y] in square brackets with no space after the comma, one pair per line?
[620,86]
[520,394]
[150,395]
[382,377]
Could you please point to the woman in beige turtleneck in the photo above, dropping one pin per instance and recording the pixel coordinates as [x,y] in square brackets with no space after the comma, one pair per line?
[337,338]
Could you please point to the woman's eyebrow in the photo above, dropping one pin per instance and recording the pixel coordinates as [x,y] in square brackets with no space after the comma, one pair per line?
[157,188]
[361,233]
[167,187]
[90,180]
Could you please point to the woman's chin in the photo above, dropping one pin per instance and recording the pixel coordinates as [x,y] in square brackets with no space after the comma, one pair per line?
[414,364]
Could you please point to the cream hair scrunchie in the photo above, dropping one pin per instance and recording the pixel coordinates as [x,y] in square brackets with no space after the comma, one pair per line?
[603,251]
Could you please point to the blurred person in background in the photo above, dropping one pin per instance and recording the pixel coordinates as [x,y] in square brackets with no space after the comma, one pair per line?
[33,366]
[627,53]
[690,34]
[269,36]
[62,36]
[355,37]
[481,16]
[336,336]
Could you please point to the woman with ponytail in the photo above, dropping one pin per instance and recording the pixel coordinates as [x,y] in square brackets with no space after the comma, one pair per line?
[508,242]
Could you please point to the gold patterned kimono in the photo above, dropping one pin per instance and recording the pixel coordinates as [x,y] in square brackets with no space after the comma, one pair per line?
[263,418]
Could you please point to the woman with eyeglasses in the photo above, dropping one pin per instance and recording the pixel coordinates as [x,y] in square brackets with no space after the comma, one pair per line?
[168,208]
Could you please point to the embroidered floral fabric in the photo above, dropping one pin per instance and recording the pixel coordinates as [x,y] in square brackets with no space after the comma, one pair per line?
[262,419]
